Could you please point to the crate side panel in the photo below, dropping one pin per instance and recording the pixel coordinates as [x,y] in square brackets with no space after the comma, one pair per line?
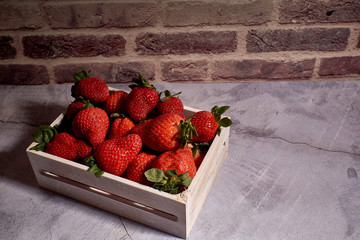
[206,176]
[173,227]
[117,186]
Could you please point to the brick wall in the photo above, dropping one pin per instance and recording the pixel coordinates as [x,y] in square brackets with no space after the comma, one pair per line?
[44,42]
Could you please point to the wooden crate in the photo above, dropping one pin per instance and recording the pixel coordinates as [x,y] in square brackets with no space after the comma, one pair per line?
[174,214]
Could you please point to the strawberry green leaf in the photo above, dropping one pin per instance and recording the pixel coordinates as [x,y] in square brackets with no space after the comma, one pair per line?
[183,176]
[116,115]
[225,122]
[171,173]
[43,136]
[203,146]
[186,182]
[167,95]
[140,81]
[169,182]
[78,76]
[219,110]
[81,75]
[154,175]
[93,167]
[187,132]
[39,147]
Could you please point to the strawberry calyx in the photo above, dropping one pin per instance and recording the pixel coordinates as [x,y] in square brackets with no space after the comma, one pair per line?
[187,132]
[116,115]
[43,136]
[167,95]
[78,76]
[221,121]
[93,167]
[203,146]
[169,181]
[140,81]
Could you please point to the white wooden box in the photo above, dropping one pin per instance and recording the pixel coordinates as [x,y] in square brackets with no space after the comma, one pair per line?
[174,214]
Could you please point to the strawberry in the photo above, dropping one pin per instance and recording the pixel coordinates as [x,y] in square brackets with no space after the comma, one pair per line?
[67,146]
[91,124]
[180,159]
[120,127]
[142,99]
[138,166]
[199,157]
[90,88]
[116,103]
[162,133]
[170,104]
[114,155]
[76,107]
[207,124]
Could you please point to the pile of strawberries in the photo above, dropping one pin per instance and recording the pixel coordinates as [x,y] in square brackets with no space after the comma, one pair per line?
[141,135]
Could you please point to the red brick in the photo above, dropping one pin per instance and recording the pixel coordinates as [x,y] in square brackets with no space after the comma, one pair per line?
[186,13]
[16,74]
[261,69]
[310,11]
[184,70]
[55,46]
[110,72]
[186,43]
[96,15]
[20,16]
[7,51]
[310,39]
[339,66]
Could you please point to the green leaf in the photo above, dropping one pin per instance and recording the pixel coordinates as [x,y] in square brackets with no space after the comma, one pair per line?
[81,75]
[38,136]
[183,176]
[170,181]
[39,147]
[140,81]
[93,167]
[186,182]
[171,173]
[89,161]
[219,110]
[187,132]
[96,171]
[43,135]
[167,95]
[155,175]
[225,122]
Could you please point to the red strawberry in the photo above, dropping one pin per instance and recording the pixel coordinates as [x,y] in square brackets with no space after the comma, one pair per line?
[116,103]
[120,127]
[76,107]
[161,133]
[170,104]
[180,159]
[91,124]
[138,166]
[67,146]
[142,99]
[207,124]
[114,155]
[199,157]
[93,89]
